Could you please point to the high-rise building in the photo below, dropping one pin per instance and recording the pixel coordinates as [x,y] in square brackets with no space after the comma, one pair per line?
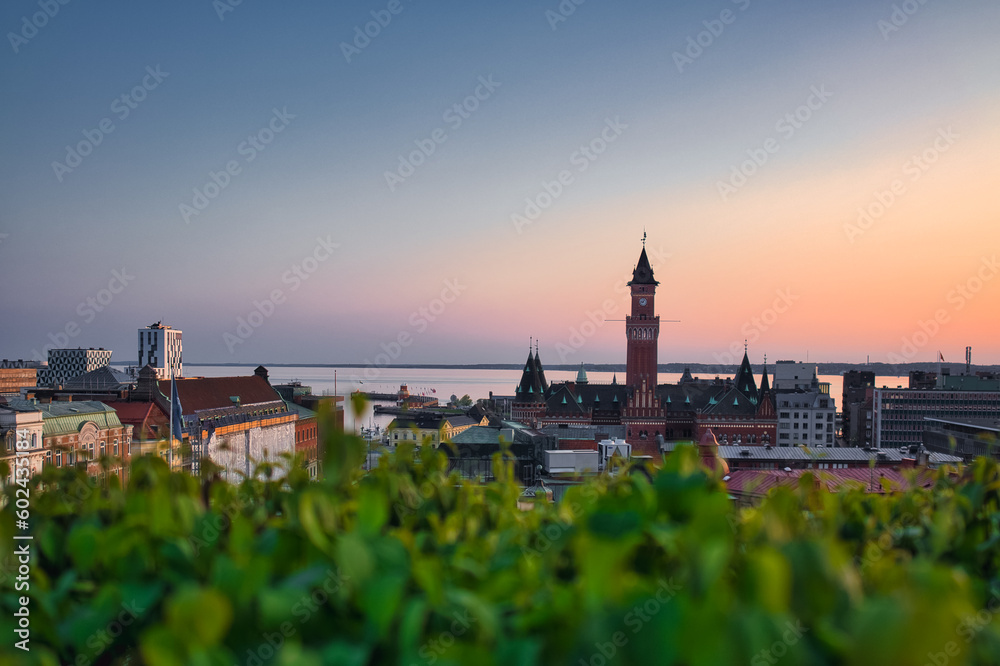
[160,346]
[66,364]
[857,406]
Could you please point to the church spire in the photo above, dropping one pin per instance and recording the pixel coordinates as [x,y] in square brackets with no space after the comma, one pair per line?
[744,378]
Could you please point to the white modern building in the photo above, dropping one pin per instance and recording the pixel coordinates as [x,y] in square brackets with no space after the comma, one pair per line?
[66,364]
[793,376]
[806,417]
[160,346]
[806,411]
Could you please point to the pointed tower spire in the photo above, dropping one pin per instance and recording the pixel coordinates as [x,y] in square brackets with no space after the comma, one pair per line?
[765,384]
[643,272]
[528,389]
[744,378]
[542,383]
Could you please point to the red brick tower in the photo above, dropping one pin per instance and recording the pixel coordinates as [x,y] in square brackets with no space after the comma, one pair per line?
[642,327]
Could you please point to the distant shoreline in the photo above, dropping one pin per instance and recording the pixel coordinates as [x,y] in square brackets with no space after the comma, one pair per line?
[880,369]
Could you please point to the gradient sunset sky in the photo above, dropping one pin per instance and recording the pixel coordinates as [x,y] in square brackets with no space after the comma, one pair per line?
[904,124]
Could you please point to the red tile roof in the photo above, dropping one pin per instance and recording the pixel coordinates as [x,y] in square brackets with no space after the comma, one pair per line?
[142,416]
[760,482]
[198,393]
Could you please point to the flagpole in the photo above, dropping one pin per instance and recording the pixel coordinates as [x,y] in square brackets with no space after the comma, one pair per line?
[170,449]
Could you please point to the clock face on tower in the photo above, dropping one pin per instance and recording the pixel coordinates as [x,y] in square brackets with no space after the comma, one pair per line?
[642,301]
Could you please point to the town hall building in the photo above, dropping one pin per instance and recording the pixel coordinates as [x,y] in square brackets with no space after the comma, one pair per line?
[736,410]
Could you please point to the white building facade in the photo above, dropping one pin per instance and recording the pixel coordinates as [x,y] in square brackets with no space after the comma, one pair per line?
[806,417]
[161,347]
[21,437]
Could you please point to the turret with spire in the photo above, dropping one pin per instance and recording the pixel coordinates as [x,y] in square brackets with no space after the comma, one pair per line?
[744,380]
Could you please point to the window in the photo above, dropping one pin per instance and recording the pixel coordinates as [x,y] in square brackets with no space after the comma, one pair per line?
[58,458]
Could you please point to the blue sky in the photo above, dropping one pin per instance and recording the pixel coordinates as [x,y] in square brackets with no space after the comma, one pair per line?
[321,180]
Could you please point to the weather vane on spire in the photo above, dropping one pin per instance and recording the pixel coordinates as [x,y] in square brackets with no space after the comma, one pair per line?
[644,237]
[745,346]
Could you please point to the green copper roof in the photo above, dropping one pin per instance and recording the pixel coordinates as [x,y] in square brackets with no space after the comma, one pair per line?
[66,418]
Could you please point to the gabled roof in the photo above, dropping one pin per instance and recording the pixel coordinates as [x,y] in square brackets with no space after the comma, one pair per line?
[200,393]
[478,435]
[583,398]
[732,403]
[104,378]
[142,416]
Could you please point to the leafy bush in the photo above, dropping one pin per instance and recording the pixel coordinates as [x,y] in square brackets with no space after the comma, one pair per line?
[410,565]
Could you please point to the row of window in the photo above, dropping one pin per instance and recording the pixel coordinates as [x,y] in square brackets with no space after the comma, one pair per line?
[828,416]
[818,437]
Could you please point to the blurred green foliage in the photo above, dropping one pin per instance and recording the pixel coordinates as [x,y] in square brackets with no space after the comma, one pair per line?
[410,565]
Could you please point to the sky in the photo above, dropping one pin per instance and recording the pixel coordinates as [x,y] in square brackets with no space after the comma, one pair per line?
[437,182]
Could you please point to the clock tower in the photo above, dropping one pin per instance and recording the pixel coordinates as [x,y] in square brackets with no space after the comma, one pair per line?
[642,327]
